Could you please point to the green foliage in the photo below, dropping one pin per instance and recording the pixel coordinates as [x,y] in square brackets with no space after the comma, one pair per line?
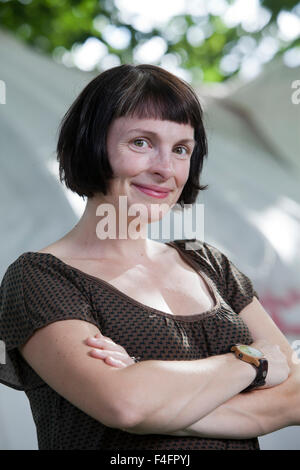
[275,6]
[50,25]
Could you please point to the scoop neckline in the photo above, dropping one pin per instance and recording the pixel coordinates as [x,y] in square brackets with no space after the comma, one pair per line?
[115,290]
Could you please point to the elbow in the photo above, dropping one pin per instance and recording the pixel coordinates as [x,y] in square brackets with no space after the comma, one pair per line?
[127,419]
[119,416]
[116,408]
[134,425]
[127,410]
[132,409]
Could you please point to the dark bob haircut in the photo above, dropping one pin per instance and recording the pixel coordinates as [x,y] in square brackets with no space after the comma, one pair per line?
[142,91]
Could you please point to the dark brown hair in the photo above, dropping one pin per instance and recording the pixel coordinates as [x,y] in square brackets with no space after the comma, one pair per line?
[143,91]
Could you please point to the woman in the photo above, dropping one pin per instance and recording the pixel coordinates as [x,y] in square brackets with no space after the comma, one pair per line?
[137,132]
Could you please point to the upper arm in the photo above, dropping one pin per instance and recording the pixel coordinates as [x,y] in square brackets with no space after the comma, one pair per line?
[262,326]
[59,355]
[237,288]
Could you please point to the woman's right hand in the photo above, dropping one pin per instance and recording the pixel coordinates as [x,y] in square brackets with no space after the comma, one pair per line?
[110,352]
[278,368]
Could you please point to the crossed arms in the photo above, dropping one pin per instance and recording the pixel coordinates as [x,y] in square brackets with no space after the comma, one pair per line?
[258,412]
[198,398]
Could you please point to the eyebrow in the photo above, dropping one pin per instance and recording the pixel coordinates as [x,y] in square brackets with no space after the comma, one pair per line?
[146,131]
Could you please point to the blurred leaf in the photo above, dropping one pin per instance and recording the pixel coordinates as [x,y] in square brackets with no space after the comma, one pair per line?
[275,6]
[56,25]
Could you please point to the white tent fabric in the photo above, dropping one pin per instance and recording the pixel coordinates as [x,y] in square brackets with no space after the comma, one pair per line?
[252,206]
[254,196]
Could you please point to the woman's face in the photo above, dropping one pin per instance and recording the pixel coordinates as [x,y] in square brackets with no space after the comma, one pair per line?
[146,153]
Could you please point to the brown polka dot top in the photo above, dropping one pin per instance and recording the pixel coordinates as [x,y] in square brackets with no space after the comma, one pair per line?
[38,289]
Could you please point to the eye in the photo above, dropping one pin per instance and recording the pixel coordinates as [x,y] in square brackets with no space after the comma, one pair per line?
[187,151]
[139,141]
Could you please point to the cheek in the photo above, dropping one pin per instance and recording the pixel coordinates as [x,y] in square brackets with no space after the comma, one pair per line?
[182,175]
[124,167]
[124,164]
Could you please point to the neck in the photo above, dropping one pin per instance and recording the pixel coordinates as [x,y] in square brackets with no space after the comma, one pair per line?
[84,237]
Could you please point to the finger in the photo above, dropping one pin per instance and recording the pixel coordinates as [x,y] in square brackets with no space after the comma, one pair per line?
[108,340]
[102,353]
[114,362]
[99,335]
[103,342]
[108,359]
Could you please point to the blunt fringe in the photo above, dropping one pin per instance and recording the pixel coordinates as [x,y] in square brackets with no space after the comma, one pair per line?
[143,91]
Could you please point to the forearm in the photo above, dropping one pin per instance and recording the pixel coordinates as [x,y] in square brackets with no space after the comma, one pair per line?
[252,414]
[242,417]
[172,395]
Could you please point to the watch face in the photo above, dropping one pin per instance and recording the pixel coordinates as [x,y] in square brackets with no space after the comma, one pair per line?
[251,351]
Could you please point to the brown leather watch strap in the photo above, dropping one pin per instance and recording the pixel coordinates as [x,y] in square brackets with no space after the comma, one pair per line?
[261,374]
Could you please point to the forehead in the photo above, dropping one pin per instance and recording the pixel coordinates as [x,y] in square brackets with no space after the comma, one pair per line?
[127,125]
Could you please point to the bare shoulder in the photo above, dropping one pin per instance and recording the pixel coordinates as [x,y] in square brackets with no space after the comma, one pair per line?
[47,249]
[58,249]
[65,249]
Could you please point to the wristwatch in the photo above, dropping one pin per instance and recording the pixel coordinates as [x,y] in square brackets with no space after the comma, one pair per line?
[256,358]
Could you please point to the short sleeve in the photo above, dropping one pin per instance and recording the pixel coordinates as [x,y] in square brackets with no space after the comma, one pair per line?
[237,287]
[36,291]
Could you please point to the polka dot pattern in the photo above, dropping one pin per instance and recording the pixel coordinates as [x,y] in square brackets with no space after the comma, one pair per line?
[38,289]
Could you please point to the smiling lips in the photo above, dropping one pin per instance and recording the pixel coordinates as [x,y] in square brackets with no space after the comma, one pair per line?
[154,191]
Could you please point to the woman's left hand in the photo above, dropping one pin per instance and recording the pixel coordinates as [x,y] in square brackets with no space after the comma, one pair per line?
[111,353]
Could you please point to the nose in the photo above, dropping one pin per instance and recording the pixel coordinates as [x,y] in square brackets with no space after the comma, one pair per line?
[163,164]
